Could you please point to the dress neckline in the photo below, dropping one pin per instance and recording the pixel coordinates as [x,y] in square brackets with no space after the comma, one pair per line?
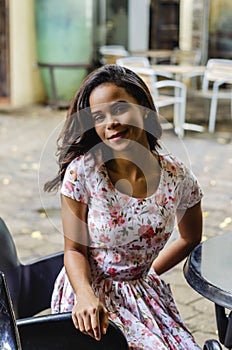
[125,195]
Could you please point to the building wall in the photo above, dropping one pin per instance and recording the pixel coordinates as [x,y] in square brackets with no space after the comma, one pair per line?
[26,87]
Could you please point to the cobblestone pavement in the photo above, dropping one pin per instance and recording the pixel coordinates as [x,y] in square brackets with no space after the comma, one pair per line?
[28,137]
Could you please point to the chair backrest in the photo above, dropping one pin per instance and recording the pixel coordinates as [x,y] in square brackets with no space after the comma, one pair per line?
[186,57]
[134,61]
[37,283]
[147,74]
[9,337]
[217,70]
[174,88]
[110,53]
[10,264]
[58,332]
[30,284]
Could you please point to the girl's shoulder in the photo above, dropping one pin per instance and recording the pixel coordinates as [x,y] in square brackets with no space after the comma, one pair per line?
[172,164]
[82,162]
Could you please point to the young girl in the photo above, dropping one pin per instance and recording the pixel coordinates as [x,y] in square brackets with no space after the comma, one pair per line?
[120,197]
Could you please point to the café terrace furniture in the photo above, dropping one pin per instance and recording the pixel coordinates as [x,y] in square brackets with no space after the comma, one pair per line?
[140,62]
[134,61]
[187,57]
[216,84]
[25,295]
[154,56]
[176,56]
[44,332]
[164,92]
[179,72]
[110,53]
[208,270]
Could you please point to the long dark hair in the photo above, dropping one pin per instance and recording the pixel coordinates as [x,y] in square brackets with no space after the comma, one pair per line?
[79,136]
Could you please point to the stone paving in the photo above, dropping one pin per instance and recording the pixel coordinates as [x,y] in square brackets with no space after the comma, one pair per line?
[28,137]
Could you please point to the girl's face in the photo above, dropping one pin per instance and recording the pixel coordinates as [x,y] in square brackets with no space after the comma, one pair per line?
[117,118]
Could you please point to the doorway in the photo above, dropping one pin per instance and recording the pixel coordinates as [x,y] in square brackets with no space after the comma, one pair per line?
[164,24]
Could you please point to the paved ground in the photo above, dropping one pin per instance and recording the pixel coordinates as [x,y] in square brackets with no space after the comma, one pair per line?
[27,160]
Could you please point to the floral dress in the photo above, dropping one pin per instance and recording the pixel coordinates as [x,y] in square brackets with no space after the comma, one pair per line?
[126,234]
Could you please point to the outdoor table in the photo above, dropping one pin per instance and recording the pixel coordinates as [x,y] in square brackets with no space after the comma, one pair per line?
[180,71]
[154,55]
[208,271]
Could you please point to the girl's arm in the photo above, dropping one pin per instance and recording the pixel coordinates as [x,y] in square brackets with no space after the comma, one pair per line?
[89,314]
[190,229]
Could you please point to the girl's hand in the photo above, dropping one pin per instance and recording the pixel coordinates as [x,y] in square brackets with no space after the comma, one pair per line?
[90,315]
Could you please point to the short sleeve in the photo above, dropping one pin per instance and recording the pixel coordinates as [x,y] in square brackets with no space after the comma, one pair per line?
[190,192]
[74,182]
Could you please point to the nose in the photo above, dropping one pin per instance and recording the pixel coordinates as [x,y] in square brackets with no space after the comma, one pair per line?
[111,121]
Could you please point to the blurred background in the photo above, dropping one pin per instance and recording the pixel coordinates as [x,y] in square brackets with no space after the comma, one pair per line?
[35,35]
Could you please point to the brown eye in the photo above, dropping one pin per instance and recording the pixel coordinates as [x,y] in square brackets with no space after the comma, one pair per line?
[98,118]
[119,108]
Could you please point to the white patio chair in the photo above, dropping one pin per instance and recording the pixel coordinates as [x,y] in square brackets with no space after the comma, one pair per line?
[132,62]
[110,53]
[166,93]
[215,81]
[186,57]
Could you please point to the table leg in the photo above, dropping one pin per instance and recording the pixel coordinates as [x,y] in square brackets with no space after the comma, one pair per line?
[224,324]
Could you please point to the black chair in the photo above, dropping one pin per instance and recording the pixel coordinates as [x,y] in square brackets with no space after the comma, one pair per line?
[30,288]
[9,337]
[51,332]
[31,284]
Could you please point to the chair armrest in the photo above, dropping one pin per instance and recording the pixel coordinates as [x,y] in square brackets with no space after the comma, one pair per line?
[45,332]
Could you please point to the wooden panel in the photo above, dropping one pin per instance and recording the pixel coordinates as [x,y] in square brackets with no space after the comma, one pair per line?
[4,51]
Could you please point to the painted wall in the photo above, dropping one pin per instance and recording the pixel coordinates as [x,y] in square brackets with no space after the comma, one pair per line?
[26,86]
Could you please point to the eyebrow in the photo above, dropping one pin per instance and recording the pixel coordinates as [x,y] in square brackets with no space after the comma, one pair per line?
[111,106]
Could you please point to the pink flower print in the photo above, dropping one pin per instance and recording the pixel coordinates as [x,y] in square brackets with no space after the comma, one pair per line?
[126,322]
[111,223]
[172,199]
[112,271]
[135,271]
[161,199]
[146,231]
[172,324]
[158,239]
[69,187]
[116,258]
[147,332]
[148,300]
[73,175]
[115,210]
[148,323]
[81,199]
[178,339]
[104,238]
[119,220]
[92,225]
[171,168]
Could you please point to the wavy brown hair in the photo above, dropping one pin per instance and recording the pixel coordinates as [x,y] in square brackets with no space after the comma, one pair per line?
[79,136]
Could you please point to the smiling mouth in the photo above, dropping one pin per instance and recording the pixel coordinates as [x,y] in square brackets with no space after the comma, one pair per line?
[119,135]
